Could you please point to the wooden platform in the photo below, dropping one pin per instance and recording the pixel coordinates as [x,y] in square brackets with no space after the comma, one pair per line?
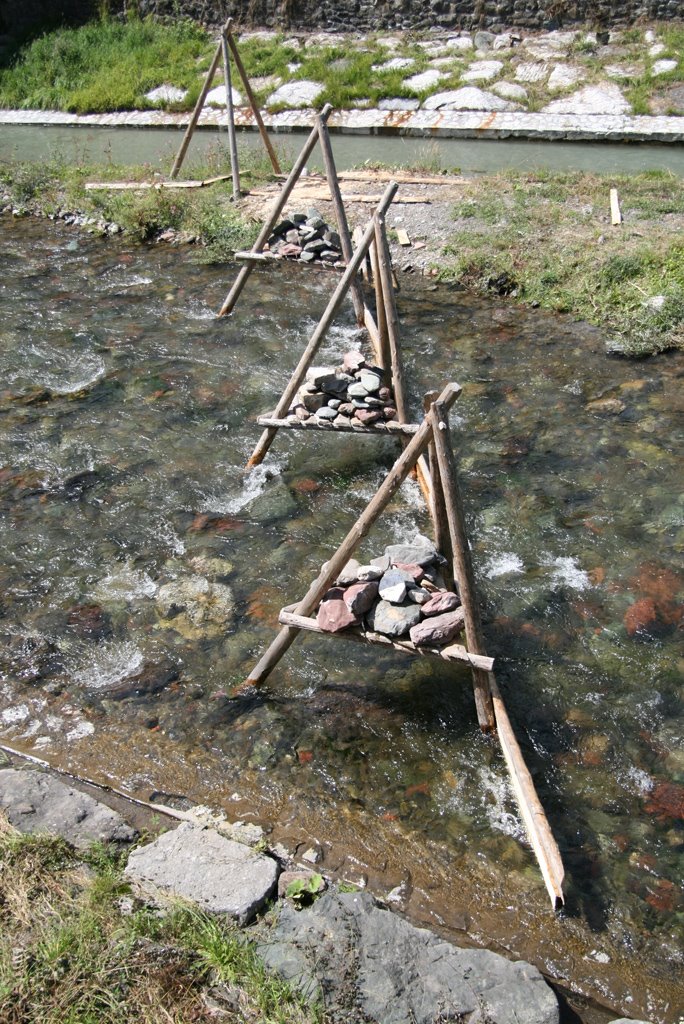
[388,427]
[359,635]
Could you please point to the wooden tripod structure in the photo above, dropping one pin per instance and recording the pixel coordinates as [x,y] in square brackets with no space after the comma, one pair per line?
[385,339]
[226,48]
[446,509]
[319,134]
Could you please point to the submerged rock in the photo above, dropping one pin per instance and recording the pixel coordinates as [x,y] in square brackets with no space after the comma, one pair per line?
[196,607]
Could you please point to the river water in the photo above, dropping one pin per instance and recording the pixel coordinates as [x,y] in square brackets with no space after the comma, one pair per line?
[127,412]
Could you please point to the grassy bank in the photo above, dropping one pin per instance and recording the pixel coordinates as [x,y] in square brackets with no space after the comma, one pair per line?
[110,64]
[77,948]
[207,216]
[547,239]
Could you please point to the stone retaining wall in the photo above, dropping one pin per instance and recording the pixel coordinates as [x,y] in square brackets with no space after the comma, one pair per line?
[358,15]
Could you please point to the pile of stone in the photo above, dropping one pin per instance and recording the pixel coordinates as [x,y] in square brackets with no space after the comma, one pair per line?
[306,237]
[401,594]
[354,394]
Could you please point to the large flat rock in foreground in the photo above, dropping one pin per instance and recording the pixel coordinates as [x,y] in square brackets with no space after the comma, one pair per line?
[367,963]
[200,865]
[37,802]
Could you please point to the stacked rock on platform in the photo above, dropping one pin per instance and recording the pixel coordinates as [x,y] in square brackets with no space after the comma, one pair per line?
[399,594]
[351,395]
[306,237]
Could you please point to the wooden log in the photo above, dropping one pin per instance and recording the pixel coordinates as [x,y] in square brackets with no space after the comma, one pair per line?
[319,334]
[340,213]
[180,156]
[274,214]
[373,332]
[388,427]
[383,357]
[251,97]
[391,318]
[436,503]
[452,652]
[361,528]
[463,567]
[402,237]
[232,140]
[140,186]
[536,823]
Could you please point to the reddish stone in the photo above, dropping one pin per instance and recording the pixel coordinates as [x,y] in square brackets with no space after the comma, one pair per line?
[657,581]
[306,486]
[333,614]
[368,416]
[353,360]
[443,601]
[265,603]
[90,620]
[422,788]
[664,897]
[438,630]
[304,756]
[666,801]
[416,571]
[642,618]
[359,597]
[389,412]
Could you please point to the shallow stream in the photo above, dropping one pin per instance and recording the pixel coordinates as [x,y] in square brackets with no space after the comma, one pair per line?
[127,413]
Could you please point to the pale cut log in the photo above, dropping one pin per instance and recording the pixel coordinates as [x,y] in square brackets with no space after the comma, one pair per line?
[383,356]
[536,823]
[402,237]
[319,334]
[373,333]
[463,567]
[251,97]
[451,652]
[340,213]
[388,427]
[361,528]
[436,503]
[189,131]
[615,215]
[276,210]
[139,186]
[232,140]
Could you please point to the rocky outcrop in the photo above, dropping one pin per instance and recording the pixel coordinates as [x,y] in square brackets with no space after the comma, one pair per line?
[366,963]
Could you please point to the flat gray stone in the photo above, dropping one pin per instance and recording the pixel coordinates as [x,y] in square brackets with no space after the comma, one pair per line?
[661,67]
[510,91]
[217,97]
[350,573]
[424,80]
[296,94]
[395,64]
[624,70]
[482,71]
[202,866]
[592,99]
[421,551]
[460,43]
[467,98]
[531,72]
[393,620]
[166,94]
[423,980]
[398,103]
[36,802]
[564,77]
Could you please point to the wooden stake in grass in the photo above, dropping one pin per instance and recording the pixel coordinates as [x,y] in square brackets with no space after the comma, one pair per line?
[615,215]
[180,157]
[250,96]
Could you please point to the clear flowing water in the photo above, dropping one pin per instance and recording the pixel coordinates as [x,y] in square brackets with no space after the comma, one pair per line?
[127,412]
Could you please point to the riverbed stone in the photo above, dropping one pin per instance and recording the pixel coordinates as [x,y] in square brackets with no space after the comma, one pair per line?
[36,802]
[392,586]
[438,630]
[442,601]
[200,865]
[296,94]
[510,91]
[564,77]
[425,979]
[195,606]
[420,551]
[327,413]
[393,620]
[334,613]
[350,573]
[360,596]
